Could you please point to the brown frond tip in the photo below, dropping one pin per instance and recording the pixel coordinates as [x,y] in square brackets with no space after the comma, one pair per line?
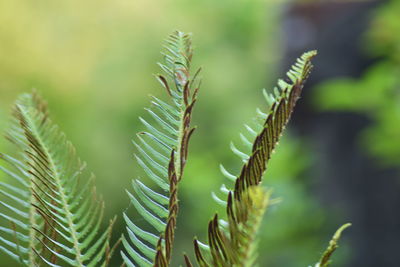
[199,256]
[31,101]
[164,83]
[220,245]
[40,104]
[187,261]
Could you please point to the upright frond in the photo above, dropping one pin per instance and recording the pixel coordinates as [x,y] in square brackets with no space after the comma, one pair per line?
[282,104]
[63,214]
[162,150]
[223,248]
[333,245]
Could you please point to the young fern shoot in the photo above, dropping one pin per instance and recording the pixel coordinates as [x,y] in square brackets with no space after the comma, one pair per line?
[162,153]
[231,242]
[333,245]
[54,218]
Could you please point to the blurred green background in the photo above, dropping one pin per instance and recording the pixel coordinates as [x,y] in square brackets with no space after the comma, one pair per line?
[93,61]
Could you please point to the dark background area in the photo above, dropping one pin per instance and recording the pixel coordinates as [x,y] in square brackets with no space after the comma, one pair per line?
[345,178]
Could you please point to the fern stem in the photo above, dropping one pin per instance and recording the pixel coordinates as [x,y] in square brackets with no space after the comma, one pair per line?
[174,206]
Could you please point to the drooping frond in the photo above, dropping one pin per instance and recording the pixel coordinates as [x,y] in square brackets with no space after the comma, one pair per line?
[333,245]
[265,136]
[62,215]
[162,153]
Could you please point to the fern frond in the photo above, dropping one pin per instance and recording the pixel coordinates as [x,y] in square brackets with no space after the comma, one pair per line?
[64,213]
[224,248]
[162,154]
[281,103]
[333,245]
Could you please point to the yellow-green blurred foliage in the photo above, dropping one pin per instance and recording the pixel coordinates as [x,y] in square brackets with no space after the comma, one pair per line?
[93,60]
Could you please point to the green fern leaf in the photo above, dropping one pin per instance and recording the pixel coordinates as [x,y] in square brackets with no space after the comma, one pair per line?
[62,214]
[228,245]
[162,153]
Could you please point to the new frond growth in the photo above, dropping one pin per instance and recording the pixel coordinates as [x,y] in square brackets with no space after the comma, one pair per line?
[55,217]
[162,153]
[227,252]
[282,104]
[333,245]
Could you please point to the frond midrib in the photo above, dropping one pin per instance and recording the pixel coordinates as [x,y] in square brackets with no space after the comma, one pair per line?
[32,221]
[181,134]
